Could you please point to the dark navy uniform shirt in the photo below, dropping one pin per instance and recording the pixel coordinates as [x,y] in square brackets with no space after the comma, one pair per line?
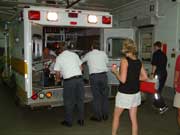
[159,59]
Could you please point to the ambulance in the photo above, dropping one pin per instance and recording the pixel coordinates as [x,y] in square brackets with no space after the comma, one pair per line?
[36,28]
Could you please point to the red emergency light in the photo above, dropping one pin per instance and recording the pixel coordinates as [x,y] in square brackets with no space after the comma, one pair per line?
[73,15]
[73,23]
[34,15]
[106,19]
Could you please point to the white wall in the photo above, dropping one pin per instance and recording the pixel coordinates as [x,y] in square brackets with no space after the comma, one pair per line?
[124,16]
[165,18]
[2,39]
[1,36]
[167,32]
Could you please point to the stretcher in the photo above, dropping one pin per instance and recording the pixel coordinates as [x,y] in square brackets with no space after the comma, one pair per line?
[149,86]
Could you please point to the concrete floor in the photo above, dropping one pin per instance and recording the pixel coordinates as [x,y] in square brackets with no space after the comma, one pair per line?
[18,121]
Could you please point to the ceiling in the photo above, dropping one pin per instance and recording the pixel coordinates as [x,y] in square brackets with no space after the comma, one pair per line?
[8,8]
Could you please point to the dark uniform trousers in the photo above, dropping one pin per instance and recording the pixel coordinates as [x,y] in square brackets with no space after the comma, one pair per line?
[100,94]
[162,76]
[73,95]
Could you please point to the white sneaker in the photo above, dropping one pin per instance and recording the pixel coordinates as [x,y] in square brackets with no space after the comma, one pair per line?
[163,110]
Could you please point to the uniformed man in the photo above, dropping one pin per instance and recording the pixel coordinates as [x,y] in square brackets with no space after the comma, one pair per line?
[68,64]
[159,63]
[97,62]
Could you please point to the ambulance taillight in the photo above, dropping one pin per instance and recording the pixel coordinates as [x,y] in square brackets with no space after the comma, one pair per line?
[34,96]
[34,15]
[49,94]
[106,19]
[41,95]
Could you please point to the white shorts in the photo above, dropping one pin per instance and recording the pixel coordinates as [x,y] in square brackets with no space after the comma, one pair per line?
[177,100]
[127,101]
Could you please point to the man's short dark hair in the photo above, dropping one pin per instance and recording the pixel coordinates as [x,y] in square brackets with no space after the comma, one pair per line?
[158,44]
[61,47]
[95,45]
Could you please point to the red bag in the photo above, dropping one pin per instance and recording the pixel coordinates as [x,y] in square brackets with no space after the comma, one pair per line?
[147,87]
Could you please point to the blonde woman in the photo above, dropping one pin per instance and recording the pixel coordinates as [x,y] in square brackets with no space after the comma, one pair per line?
[129,75]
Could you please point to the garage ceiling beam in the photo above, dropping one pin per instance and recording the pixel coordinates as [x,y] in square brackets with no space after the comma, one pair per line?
[71,4]
[67,1]
[8,13]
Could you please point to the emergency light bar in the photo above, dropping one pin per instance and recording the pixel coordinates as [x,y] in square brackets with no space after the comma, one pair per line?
[92,19]
[64,17]
[52,16]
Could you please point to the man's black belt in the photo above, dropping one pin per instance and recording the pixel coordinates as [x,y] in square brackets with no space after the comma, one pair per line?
[99,73]
[74,77]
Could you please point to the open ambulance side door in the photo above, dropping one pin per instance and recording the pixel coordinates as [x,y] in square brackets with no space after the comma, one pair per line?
[111,43]
[110,37]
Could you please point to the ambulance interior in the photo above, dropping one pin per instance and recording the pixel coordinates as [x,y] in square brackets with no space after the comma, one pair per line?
[43,37]
[80,41]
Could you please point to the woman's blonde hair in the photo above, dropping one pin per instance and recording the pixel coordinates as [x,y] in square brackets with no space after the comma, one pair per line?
[129,46]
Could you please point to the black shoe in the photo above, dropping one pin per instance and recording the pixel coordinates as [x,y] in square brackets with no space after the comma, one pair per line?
[93,118]
[67,124]
[105,117]
[80,122]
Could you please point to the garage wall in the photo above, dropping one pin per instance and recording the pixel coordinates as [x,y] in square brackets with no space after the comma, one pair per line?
[163,14]
[1,36]
[124,15]
[167,31]
[1,39]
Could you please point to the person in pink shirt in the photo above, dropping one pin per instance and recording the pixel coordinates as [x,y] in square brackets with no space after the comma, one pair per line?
[177,88]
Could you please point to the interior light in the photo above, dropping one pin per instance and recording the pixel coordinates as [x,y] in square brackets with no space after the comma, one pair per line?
[52,16]
[106,19]
[34,15]
[92,19]
[49,94]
